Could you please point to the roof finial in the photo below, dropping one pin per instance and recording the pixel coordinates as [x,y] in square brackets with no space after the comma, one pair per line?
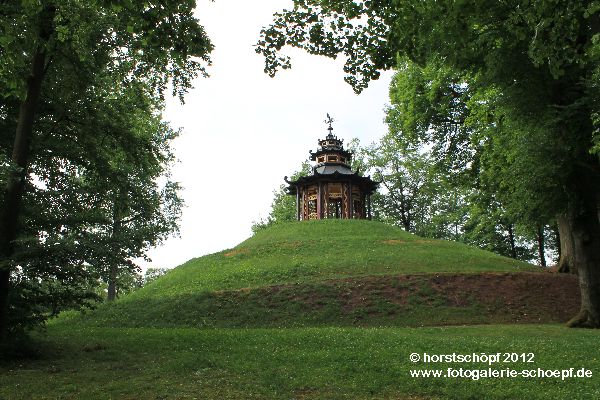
[329,121]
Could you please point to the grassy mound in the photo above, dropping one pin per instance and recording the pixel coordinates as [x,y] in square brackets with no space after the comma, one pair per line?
[337,272]
[314,251]
[329,283]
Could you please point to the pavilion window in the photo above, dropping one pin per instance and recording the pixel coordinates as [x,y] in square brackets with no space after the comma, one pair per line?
[334,208]
[358,209]
[312,209]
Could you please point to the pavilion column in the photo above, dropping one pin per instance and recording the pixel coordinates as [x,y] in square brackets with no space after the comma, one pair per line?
[351,201]
[343,204]
[319,201]
[369,207]
[325,200]
[363,205]
[304,204]
[298,203]
[345,201]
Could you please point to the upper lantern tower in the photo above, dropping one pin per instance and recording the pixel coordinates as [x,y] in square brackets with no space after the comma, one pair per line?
[331,150]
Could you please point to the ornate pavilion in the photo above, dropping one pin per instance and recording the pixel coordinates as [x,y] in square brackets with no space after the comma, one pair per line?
[333,190]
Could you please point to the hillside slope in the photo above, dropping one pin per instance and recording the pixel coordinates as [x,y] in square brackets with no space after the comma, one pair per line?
[344,272]
[317,250]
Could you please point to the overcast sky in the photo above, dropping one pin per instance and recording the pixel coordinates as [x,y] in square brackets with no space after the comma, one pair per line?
[242,131]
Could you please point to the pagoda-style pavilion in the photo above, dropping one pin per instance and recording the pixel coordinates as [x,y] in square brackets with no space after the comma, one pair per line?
[333,190]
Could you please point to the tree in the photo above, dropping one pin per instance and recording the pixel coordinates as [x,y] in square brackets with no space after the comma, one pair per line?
[534,64]
[47,41]
[424,198]
[283,207]
[402,176]
[490,227]
[434,131]
[153,274]
[134,211]
[67,241]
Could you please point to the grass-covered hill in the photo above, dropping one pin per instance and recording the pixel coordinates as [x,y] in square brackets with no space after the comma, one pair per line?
[340,272]
[348,295]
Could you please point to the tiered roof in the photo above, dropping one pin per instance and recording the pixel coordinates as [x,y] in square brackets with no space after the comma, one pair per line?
[332,171]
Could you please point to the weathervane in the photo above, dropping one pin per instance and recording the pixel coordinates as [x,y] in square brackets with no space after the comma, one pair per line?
[329,121]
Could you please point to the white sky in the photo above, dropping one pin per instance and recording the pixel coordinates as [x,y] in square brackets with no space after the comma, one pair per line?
[243,131]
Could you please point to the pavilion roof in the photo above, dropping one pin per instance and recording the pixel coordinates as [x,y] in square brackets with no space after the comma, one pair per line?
[334,173]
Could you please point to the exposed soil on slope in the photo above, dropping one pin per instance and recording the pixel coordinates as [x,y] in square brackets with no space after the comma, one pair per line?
[484,298]
[389,300]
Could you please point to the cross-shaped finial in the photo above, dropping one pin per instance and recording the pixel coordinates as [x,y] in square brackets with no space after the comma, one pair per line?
[329,121]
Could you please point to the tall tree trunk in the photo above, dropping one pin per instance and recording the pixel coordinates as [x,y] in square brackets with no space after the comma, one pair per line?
[112,282]
[113,268]
[566,262]
[556,239]
[541,246]
[585,234]
[511,239]
[4,288]
[405,222]
[13,192]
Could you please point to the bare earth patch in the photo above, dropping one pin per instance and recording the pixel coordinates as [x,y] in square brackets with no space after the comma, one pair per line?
[398,241]
[234,252]
[522,297]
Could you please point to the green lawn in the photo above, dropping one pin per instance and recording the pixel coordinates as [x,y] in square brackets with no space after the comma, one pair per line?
[320,363]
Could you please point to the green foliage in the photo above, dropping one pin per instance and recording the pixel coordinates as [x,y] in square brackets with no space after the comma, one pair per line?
[360,155]
[429,107]
[283,207]
[97,191]
[33,301]
[428,167]
[153,274]
[328,28]
[413,194]
[525,70]
[486,93]
[127,281]
[472,35]
[158,44]
[73,204]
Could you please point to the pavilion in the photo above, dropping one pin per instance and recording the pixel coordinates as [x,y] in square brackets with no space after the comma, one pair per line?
[333,190]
